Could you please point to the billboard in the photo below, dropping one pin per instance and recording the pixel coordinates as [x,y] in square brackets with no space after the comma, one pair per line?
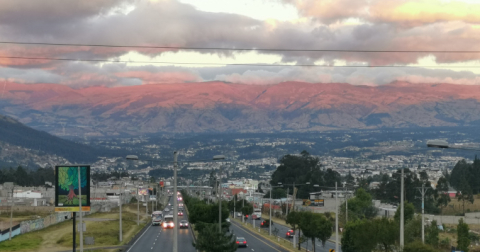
[161,184]
[67,188]
[142,191]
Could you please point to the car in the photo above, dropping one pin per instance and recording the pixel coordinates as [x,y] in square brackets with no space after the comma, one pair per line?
[180,204]
[167,209]
[180,213]
[265,223]
[183,224]
[290,233]
[241,242]
[239,214]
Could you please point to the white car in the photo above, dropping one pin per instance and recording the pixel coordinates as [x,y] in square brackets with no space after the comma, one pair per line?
[239,214]
[167,210]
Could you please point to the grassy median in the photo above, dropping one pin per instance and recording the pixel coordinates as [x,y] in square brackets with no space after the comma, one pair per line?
[284,243]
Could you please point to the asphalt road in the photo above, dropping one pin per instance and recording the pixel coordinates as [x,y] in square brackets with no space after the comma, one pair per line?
[155,238]
[282,230]
[255,242]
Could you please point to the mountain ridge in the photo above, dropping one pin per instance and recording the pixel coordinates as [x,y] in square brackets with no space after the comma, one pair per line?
[218,106]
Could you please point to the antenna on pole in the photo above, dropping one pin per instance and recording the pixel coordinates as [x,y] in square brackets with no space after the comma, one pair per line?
[63,126]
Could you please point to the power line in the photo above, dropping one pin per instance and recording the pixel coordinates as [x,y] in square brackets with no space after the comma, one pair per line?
[226,64]
[237,49]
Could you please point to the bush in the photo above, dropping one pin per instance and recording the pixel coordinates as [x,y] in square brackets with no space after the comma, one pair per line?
[445,243]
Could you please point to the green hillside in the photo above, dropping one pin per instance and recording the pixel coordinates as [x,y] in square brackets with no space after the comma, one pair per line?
[15,133]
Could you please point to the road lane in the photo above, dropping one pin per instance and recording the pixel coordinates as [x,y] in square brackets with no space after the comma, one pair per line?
[155,238]
[255,241]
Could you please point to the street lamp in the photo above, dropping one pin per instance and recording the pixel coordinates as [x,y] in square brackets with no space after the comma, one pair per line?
[219,157]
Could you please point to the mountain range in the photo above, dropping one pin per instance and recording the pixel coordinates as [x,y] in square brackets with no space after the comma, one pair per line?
[229,107]
[22,144]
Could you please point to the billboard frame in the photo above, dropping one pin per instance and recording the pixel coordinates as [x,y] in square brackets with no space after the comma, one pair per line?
[59,191]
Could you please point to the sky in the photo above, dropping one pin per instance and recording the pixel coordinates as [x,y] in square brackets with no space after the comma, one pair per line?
[436,30]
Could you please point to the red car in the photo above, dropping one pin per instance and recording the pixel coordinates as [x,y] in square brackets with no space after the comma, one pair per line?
[290,233]
[180,213]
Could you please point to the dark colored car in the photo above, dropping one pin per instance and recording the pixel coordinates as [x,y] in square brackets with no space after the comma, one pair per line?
[241,242]
[183,224]
[265,223]
[290,233]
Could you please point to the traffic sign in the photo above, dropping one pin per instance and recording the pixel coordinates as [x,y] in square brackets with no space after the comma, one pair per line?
[331,250]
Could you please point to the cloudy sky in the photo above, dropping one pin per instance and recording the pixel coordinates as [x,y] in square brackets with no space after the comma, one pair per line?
[430,28]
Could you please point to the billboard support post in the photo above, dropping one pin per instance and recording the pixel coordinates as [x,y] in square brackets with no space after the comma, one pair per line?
[74,231]
[80,208]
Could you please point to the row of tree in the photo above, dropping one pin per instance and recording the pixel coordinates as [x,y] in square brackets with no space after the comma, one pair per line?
[301,170]
[27,177]
[205,219]
[311,225]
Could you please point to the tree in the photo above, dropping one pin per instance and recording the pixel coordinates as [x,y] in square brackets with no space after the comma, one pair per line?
[366,235]
[409,212]
[315,225]
[465,193]
[277,193]
[360,206]
[463,238]
[293,219]
[442,193]
[247,209]
[68,181]
[432,234]
[418,246]
[211,240]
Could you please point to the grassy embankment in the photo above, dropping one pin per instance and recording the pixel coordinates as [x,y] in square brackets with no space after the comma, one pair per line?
[59,237]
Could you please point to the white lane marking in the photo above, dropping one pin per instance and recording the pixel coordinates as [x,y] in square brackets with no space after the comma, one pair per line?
[152,248]
[154,243]
[139,238]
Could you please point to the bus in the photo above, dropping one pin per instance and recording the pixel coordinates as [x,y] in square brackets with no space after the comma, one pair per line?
[157,217]
[168,221]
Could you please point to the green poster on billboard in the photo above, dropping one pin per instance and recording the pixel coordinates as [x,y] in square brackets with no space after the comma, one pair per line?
[68,188]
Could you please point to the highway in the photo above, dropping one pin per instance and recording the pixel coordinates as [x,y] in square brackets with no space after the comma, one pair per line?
[282,230]
[255,242]
[155,238]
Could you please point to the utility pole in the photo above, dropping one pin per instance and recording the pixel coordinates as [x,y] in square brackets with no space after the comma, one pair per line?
[120,238]
[175,203]
[220,201]
[401,212]
[336,218]
[80,208]
[423,191]
[288,190]
[138,208]
[11,212]
[234,204]
[270,206]
[243,205]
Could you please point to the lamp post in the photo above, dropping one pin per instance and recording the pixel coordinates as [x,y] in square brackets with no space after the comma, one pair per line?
[271,204]
[219,157]
[175,203]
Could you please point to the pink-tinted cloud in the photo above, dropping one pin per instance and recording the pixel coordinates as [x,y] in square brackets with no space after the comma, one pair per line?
[161,77]
[408,12]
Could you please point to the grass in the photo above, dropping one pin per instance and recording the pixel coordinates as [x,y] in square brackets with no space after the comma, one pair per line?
[31,241]
[59,236]
[456,207]
[286,244]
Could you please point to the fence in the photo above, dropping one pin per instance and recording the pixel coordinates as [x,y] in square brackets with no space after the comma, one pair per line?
[33,225]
